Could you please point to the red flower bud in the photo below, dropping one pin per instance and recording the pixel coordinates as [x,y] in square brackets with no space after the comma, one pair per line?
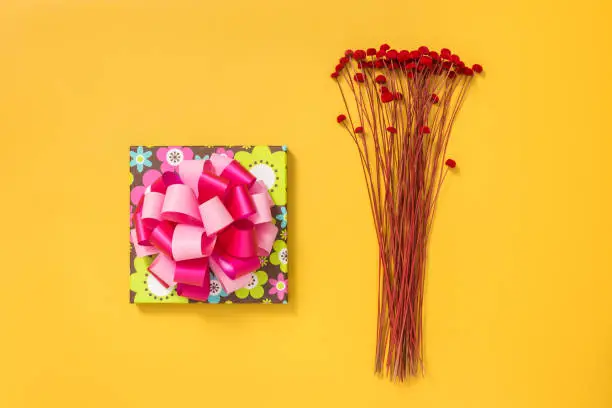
[334,75]
[392,54]
[477,68]
[461,64]
[359,54]
[386,97]
[348,53]
[468,71]
[446,64]
[344,60]
[452,75]
[410,66]
[410,75]
[425,130]
[359,77]
[381,79]
[384,89]
[423,50]
[403,56]
[367,64]
[434,98]
[415,54]
[398,96]
[434,55]
[426,60]
[455,59]
[371,51]
[341,118]
[445,53]
[420,67]
[451,163]
[339,67]
[385,47]
[379,64]
[359,129]
[391,129]
[381,54]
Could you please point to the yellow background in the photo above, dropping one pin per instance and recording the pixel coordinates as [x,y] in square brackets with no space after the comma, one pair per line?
[518,302]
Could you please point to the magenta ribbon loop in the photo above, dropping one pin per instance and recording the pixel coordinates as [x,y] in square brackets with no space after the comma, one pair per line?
[237,174]
[239,203]
[239,239]
[161,237]
[210,185]
[213,215]
[235,267]
[192,272]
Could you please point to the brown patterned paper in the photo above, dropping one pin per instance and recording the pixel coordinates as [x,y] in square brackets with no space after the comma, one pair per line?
[268,163]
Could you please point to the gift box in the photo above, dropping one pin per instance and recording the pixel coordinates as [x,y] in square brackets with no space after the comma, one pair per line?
[208,224]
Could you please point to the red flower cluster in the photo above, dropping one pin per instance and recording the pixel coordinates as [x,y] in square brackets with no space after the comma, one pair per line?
[425,130]
[385,95]
[381,79]
[422,59]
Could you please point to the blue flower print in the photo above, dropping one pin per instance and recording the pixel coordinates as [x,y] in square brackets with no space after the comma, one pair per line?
[283,217]
[140,158]
[216,291]
[205,157]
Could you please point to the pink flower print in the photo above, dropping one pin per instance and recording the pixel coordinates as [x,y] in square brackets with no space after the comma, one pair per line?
[172,156]
[279,287]
[148,178]
[227,153]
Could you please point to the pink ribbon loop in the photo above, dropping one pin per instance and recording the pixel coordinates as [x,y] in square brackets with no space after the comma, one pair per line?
[262,209]
[187,242]
[213,215]
[190,171]
[229,285]
[151,209]
[265,235]
[180,205]
[141,250]
[163,268]
[260,187]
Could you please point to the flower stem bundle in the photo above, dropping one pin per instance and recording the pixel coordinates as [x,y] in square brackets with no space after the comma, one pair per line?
[400,109]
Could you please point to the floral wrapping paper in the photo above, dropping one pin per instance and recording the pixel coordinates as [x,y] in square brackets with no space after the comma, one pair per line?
[268,163]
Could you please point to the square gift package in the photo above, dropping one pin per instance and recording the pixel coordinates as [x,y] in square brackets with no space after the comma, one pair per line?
[208,224]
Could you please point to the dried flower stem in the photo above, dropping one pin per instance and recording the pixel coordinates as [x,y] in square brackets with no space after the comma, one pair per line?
[401,107]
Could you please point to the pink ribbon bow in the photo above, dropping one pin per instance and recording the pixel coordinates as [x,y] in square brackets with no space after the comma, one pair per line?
[212,213]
